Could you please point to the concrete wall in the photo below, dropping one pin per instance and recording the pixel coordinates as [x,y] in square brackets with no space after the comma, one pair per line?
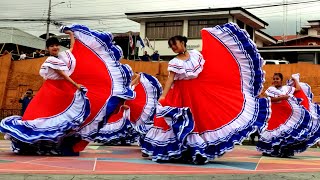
[164,50]
[259,42]
[162,45]
[312,32]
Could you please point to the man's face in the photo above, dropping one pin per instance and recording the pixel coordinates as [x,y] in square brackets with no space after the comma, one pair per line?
[29,93]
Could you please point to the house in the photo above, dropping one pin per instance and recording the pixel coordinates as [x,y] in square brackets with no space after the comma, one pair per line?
[303,47]
[159,26]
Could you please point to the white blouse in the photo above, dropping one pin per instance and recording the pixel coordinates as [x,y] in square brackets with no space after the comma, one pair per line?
[187,69]
[283,90]
[65,62]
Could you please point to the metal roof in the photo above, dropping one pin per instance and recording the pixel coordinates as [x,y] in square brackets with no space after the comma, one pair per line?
[16,36]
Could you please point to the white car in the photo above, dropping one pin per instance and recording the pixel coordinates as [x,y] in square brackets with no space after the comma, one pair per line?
[274,61]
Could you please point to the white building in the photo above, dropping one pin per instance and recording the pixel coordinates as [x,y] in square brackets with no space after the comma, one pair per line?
[159,26]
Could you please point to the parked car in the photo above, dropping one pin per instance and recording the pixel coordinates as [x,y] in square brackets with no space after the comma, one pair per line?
[274,61]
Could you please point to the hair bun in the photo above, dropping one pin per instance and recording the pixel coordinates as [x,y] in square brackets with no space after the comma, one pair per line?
[185,39]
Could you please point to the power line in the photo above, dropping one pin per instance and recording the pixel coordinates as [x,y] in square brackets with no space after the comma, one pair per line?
[72,17]
[121,17]
[290,11]
[281,4]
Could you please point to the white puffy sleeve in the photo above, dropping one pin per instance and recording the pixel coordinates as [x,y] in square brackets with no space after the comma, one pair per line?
[65,62]
[187,69]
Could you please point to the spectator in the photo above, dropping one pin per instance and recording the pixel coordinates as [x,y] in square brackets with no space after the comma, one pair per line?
[22,56]
[145,57]
[37,54]
[155,56]
[25,100]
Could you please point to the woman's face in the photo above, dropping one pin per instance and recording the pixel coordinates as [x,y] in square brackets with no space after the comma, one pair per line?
[178,47]
[54,49]
[277,82]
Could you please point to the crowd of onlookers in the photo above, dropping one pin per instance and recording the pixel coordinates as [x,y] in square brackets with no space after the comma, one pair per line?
[154,57]
[24,56]
[36,54]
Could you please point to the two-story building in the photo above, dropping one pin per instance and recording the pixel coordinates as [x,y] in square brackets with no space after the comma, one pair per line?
[159,26]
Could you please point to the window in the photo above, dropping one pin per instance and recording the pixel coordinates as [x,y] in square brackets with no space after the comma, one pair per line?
[306,57]
[250,31]
[240,24]
[195,26]
[163,30]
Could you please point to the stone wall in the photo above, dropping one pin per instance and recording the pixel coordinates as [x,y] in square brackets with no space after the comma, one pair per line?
[310,73]
[18,76]
[5,64]
[22,75]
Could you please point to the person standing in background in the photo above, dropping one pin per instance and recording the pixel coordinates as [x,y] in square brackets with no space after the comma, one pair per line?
[25,100]
[155,56]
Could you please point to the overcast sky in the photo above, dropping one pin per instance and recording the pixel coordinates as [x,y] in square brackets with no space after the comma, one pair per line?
[109,14]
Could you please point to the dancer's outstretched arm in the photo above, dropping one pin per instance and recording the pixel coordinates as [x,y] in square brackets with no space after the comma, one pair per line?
[66,77]
[135,80]
[168,85]
[296,85]
[61,73]
[72,40]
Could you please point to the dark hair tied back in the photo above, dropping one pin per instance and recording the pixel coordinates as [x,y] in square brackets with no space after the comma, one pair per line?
[278,74]
[172,40]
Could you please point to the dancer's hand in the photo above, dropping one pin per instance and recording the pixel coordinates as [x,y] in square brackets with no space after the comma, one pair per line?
[68,32]
[162,100]
[23,96]
[125,107]
[79,86]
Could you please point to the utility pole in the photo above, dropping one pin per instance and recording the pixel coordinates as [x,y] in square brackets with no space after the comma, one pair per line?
[48,20]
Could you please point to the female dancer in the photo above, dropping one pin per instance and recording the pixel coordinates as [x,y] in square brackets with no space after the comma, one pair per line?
[134,121]
[60,119]
[290,126]
[34,134]
[209,102]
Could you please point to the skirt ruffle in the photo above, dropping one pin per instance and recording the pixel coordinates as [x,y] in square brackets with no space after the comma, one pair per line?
[50,131]
[221,107]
